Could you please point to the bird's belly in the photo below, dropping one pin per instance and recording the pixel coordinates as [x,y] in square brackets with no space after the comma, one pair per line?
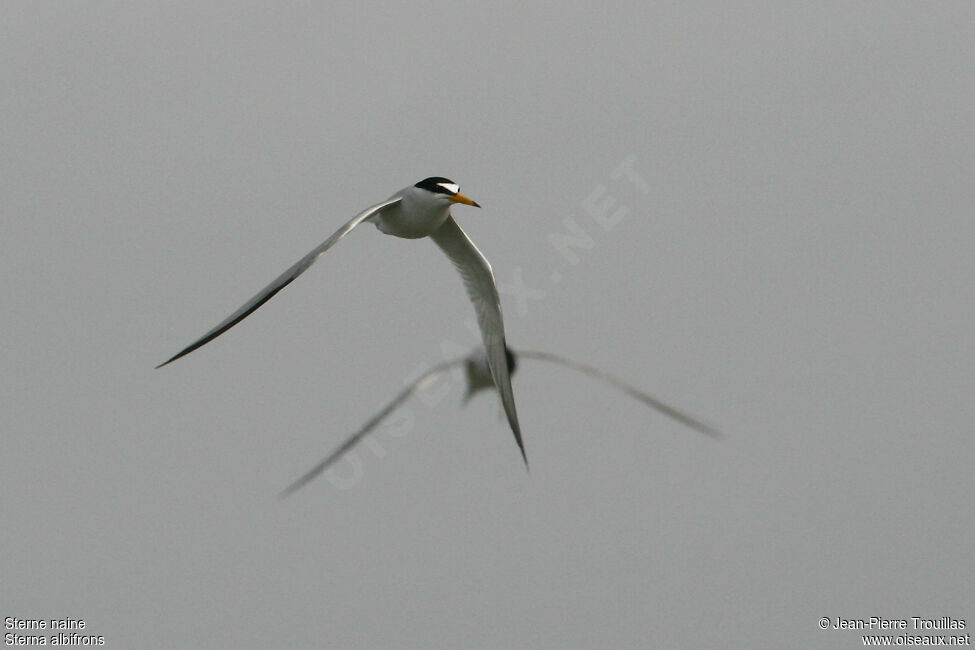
[410,224]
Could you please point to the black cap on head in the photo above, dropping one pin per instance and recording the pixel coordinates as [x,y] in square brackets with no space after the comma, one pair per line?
[439,184]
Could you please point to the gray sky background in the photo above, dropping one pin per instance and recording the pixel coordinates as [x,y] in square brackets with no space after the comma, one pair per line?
[799,274]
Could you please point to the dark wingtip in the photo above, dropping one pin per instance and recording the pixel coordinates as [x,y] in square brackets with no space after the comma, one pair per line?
[291,489]
[171,359]
[524,456]
[714,433]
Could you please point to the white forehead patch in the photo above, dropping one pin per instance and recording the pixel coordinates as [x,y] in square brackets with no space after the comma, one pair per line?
[453,188]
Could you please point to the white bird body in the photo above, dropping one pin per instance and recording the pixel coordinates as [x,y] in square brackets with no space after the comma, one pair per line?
[413,217]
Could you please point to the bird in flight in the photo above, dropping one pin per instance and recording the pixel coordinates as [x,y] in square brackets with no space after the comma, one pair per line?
[478,375]
[420,210]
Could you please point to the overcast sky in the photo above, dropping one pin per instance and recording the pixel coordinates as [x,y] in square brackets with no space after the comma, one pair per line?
[759,212]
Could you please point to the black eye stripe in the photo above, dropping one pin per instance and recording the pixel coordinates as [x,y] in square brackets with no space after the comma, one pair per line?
[433,184]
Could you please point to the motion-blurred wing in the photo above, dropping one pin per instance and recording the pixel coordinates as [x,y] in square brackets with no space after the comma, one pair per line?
[649,400]
[373,422]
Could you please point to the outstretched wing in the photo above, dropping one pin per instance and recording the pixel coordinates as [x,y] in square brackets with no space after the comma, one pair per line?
[649,400]
[478,278]
[281,281]
[373,422]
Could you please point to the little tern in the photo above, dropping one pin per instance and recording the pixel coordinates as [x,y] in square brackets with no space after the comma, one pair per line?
[478,376]
[420,210]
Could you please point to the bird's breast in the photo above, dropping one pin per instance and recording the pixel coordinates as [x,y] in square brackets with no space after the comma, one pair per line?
[411,221]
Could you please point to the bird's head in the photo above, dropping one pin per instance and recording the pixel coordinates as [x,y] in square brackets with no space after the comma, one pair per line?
[512,360]
[444,189]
